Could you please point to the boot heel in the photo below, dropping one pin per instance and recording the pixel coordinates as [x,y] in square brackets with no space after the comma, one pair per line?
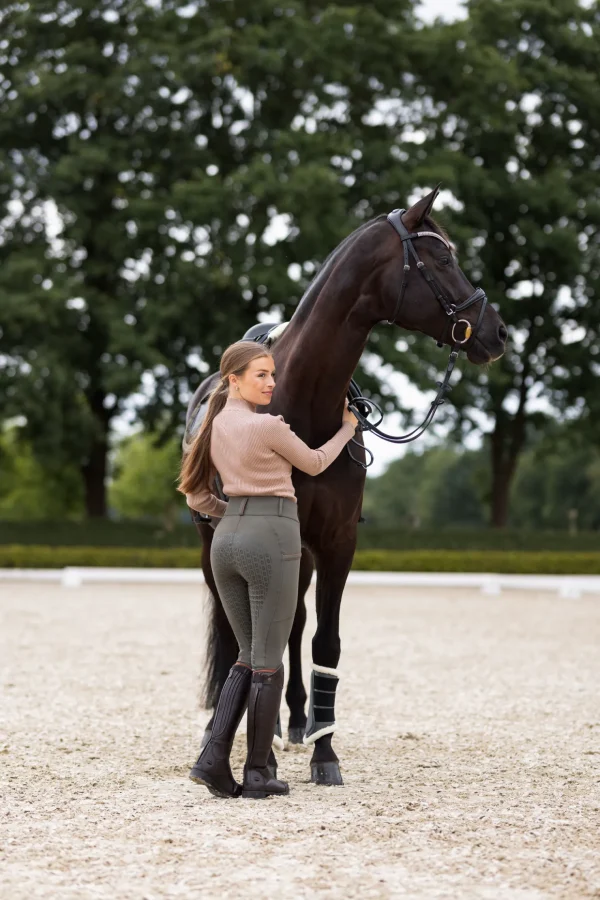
[255,795]
[215,790]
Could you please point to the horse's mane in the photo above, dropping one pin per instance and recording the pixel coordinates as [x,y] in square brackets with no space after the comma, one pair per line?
[330,261]
[328,264]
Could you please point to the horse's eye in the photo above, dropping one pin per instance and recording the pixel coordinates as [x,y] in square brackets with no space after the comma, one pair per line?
[444,260]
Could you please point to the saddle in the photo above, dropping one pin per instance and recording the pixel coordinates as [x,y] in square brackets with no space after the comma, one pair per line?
[266,333]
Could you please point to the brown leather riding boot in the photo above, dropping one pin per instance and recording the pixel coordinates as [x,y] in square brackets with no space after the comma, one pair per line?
[263,707]
[212,768]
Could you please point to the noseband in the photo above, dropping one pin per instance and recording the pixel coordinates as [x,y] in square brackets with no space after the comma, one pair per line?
[453,312]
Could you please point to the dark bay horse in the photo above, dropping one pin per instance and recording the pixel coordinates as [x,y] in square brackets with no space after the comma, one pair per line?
[370,278]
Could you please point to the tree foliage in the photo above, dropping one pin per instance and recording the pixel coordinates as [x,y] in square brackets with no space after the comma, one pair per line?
[144,480]
[556,487]
[30,492]
[513,132]
[169,173]
[436,488]
[171,143]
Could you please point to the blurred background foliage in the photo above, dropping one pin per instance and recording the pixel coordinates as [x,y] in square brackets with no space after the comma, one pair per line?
[170,173]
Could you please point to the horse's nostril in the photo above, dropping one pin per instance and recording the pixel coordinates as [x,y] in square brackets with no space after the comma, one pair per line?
[502,333]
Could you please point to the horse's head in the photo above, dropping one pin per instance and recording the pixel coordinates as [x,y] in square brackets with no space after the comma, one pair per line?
[425,290]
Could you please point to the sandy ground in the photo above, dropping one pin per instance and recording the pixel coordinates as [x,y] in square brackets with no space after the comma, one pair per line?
[469,734]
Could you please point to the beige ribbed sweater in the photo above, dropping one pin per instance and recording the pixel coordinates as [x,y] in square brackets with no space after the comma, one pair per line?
[254,454]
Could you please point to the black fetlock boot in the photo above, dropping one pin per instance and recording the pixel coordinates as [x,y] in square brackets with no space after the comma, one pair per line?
[263,709]
[212,768]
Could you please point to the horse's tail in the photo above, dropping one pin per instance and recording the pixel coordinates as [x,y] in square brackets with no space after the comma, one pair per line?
[221,645]
[221,653]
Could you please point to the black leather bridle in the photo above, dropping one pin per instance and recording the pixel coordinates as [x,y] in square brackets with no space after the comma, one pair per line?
[451,309]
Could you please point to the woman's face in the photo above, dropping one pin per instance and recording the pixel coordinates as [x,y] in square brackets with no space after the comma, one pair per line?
[257,383]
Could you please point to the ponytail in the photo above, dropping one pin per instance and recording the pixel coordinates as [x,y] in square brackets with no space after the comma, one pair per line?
[196,464]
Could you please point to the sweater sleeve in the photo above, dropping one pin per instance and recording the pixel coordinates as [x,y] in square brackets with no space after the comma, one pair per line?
[284,441]
[206,502]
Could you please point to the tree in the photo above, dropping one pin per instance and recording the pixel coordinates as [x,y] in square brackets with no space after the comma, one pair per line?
[170,140]
[81,100]
[512,131]
[438,488]
[144,481]
[28,491]
[557,485]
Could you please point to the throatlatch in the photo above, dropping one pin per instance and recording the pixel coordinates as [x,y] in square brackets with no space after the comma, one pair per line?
[321,710]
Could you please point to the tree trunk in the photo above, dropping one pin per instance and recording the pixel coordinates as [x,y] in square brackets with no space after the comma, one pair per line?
[501,484]
[94,470]
[507,444]
[94,480]
[508,441]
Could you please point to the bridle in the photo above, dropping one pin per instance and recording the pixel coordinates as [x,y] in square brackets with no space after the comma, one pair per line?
[452,311]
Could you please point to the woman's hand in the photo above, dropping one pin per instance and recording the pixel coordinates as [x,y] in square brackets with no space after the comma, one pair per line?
[348,416]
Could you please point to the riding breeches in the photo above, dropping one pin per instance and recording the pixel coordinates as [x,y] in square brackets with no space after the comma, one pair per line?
[255,559]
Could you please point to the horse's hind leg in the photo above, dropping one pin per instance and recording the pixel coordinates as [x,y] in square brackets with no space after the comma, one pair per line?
[221,645]
[295,694]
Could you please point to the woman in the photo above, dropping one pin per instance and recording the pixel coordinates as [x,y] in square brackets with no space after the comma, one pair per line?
[255,553]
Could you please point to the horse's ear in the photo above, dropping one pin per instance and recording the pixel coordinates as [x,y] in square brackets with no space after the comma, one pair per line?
[414,216]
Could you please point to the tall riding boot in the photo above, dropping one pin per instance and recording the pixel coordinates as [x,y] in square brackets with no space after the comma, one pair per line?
[212,768]
[263,708]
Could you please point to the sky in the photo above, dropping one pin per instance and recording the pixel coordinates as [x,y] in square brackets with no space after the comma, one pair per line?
[445,9]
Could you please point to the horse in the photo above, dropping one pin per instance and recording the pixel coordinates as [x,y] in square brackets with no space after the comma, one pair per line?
[368,279]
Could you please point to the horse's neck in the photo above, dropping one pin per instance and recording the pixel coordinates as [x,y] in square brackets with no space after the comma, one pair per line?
[322,347]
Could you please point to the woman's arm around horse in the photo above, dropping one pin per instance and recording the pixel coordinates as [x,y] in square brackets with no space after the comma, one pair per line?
[284,441]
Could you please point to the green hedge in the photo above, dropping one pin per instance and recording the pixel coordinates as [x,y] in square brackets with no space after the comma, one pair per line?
[505,562]
[17,556]
[546,563]
[134,534]
[373,537]
[99,533]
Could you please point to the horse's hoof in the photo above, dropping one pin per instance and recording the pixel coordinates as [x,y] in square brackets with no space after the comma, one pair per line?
[296,733]
[325,773]
[205,738]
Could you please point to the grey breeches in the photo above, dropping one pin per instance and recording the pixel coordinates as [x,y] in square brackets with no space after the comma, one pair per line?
[255,558]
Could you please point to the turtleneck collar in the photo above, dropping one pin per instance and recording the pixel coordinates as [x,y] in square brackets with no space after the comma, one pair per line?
[240,403]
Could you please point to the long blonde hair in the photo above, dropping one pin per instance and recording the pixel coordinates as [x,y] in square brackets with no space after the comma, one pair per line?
[196,466]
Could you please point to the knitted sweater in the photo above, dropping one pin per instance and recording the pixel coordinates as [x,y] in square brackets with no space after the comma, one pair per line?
[254,454]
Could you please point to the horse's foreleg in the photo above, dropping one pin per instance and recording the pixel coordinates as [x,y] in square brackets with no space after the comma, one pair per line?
[332,572]
[295,694]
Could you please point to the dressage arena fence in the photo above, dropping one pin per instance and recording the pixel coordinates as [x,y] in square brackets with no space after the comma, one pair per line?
[566,563]
[490,583]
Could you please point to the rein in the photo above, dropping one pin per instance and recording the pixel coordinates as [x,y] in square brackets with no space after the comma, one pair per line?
[452,311]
